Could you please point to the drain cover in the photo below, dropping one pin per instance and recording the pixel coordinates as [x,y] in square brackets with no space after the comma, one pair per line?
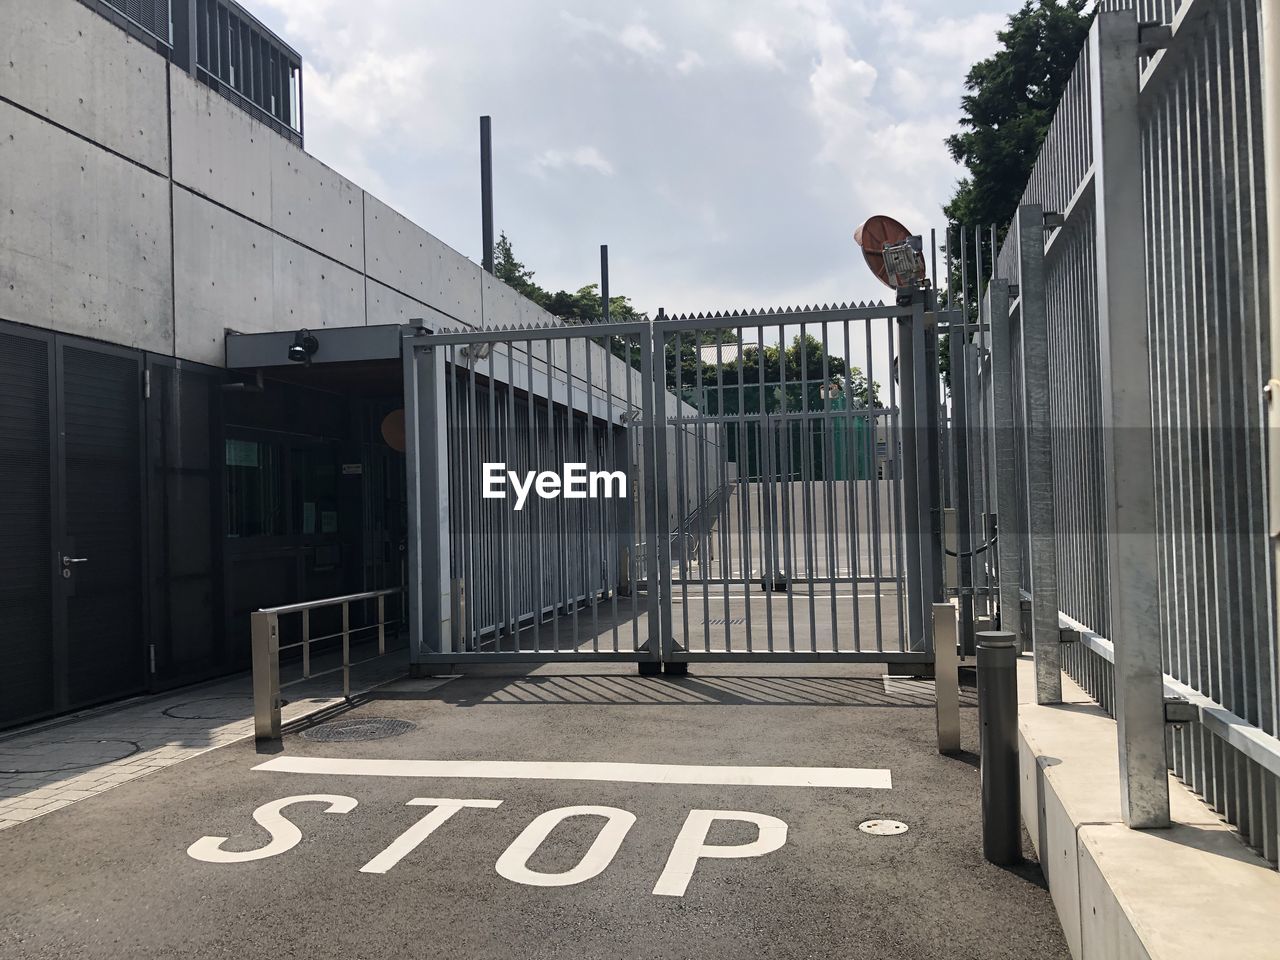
[212,708]
[883,828]
[359,728]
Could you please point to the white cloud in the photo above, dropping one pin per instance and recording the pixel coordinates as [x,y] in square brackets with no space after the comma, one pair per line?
[584,158]
[725,149]
[638,38]
[689,61]
[755,47]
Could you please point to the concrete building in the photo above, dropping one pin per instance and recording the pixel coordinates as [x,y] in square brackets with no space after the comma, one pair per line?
[156,202]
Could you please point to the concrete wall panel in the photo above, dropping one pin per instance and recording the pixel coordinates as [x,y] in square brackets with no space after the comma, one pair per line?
[315,206]
[224,265]
[62,61]
[384,305]
[405,257]
[312,291]
[84,238]
[502,305]
[219,151]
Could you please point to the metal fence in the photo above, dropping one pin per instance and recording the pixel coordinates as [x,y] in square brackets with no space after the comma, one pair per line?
[1139,255]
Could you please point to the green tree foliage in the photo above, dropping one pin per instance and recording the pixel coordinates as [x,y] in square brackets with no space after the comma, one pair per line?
[1010,102]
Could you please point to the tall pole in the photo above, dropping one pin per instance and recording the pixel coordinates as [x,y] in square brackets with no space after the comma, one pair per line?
[486,191]
[604,283]
[1270,44]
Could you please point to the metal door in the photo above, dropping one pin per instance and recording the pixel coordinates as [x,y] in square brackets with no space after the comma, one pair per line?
[507,577]
[780,500]
[789,497]
[98,542]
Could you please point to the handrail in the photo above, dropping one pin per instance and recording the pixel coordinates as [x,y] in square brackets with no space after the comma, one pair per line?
[266,651]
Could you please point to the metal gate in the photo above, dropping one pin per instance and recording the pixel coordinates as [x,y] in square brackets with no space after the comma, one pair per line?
[737,486]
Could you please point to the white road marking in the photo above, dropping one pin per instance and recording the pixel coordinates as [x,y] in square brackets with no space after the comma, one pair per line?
[656,773]
[513,864]
[691,846]
[408,841]
[284,835]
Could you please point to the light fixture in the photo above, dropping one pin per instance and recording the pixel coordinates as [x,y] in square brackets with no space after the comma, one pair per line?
[303,347]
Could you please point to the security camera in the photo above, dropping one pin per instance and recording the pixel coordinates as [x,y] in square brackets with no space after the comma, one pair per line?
[303,346]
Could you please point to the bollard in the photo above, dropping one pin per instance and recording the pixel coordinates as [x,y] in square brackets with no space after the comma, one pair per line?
[998,732]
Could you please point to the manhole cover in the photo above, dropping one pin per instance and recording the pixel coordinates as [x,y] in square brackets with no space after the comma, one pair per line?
[63,755]
[883,828]
[359,728]
[212,708]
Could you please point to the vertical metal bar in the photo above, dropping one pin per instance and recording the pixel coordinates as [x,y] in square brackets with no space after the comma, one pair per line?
[1126,409]
[996,310]
[875,542]
[806,487]
[306,644]
[486,192]
[604,285]
[682,483]
[382,625]
[590,570]
[722,489]
[346,650]
[897,545]
[553,445]
[768,533]
[852,467]
[916,494]
[633,508]
[960,412]
[610,531]
[787,498]
[656,494]
[535,524]
[1042,535]
[743,454]
[946,678]
[266,675]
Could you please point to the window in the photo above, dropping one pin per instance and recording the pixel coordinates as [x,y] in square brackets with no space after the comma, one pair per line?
[255,501]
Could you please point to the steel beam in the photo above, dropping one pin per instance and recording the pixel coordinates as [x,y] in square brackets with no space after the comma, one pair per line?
[1128,454]
[1041,531]
[1008,510]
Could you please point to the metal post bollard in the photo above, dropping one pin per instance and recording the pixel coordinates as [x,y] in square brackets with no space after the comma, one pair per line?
[998,725]
[266,676]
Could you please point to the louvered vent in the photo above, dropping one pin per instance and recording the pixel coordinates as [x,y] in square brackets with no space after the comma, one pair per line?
[151,15]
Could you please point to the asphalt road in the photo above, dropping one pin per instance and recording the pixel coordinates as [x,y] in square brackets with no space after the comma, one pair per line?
[113,876]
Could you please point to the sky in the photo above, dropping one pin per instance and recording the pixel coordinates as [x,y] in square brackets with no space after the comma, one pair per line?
[724,149]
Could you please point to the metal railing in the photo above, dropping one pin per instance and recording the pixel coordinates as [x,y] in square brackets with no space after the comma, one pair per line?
[1147,202]
[267,649]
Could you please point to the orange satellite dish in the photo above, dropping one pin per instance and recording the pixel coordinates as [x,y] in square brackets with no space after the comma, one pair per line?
[876,234]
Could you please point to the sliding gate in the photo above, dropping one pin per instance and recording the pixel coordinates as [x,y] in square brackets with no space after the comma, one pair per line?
[739,486]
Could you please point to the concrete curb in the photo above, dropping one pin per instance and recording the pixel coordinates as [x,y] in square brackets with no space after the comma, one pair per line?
[1192,891]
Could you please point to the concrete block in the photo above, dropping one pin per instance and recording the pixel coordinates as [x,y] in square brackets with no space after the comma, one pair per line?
[219,151]
[313,291]
[84,238]
[62,61]
[224,269]
[315,206]
[1187,893]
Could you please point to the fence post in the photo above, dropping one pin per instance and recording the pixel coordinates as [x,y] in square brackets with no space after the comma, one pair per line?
[1042,534]
[1008,512]
[266,675]
[1128,455]
[946,677]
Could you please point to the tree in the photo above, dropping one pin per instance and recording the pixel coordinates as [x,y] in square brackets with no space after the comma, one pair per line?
[1011,99]
[514,273]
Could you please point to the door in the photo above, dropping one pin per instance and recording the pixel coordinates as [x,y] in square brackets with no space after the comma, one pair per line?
[26,525]
[100,636]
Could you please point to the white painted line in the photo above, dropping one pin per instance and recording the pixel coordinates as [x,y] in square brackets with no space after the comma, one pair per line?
[658,773]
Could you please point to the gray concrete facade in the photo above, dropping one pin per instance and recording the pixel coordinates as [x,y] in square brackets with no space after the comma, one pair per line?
[141,208]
